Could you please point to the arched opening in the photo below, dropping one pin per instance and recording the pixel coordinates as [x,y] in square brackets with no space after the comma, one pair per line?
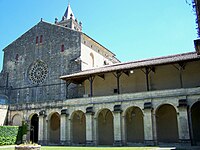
[78,128]
[34,128]
[55,128]
[17,120]
[134,125]
[105,128]
[195,115]
[166,122]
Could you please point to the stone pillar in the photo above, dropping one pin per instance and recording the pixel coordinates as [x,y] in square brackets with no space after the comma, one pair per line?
[63,127]
[154,128]
[28,134]
[89,129]
[46,127]
[68,131]
[41,130]
[183,126]
[95,130]
[117,126]
[89,126]
[148,124]
[123,131]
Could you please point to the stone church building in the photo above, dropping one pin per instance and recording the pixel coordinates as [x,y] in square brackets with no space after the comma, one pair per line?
[71,90]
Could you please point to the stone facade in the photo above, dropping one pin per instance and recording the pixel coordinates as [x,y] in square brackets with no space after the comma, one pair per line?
[34,62]
[97,102]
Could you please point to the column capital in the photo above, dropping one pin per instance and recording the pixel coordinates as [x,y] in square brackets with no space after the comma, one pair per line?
[148,106]
[182,103]
[64,112]
[42,113]
[117,109]
[89,111]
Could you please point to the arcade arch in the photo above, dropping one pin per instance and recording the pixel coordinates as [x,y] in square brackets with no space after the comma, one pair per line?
[166,123]
[78,128]
[195,115]
[105,127]
[54,128]
[134,125]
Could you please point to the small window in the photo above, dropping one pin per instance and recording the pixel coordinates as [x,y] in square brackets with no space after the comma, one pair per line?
[62,48]
[36,40]
[17,57]
[41,36]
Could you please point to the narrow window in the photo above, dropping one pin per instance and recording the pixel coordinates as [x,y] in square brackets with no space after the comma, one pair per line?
[36,40]
[62,48]
[17,57]
[92,59]
[41,36]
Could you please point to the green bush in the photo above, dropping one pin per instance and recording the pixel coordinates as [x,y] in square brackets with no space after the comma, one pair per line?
[9,135]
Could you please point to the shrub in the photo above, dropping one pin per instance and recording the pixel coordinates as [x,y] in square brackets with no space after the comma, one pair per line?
[9,135]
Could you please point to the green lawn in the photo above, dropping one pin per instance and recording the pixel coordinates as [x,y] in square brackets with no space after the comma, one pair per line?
[89,148]
[97,148]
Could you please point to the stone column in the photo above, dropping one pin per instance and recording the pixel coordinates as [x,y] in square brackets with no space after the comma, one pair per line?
[68,131]
[148,124]
[117,128]
[154,126]
[95,134]
[123,130]
[46,127]
[29,130]
[41,130]
[89,129]
[183,126]
[63,127]
[89,126]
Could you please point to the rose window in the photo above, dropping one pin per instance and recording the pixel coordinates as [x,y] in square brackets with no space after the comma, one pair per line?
[38,72]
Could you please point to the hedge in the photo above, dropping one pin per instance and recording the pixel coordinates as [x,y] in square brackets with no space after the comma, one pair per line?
[9,135]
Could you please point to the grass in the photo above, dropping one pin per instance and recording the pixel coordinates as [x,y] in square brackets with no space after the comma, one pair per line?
[96,148]
[88,148]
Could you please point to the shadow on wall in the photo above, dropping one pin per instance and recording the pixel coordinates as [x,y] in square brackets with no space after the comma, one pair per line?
[3,109]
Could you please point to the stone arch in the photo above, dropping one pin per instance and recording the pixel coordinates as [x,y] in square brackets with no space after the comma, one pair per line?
[34,125]
[195,117]
[134,125]
[158,105]
[166,123]
[17,120]
[105,127]
[78,128]
[54,128]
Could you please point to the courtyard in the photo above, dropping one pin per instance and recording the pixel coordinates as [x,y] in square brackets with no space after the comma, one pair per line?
[90,148]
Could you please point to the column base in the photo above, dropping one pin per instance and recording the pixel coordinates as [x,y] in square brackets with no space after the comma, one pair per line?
[117,143]
[65,142]
[90,143]
[150,143]
[186,142]
[43,142]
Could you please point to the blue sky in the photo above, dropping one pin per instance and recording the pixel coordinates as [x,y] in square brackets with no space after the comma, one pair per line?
[132,29]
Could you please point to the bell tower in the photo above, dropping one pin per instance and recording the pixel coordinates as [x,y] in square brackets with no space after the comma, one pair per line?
[69,20]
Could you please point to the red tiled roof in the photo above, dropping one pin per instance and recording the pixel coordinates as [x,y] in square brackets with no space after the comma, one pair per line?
[134,64]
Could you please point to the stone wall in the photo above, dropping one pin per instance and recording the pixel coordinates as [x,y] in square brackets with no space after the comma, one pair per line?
[147,102]
[41,44]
